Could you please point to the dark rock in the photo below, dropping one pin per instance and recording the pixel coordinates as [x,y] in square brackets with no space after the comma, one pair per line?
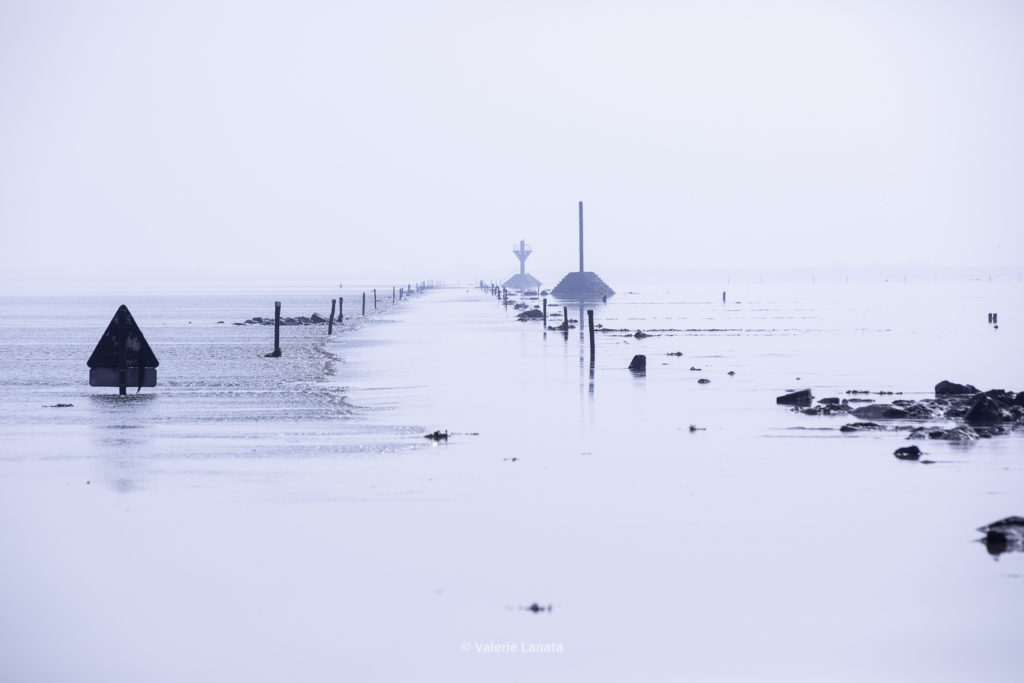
[955,434]
[438,436]
[532,314]
[796,398]
[826,409]
[693,369]
[641,335]
[674,353]
[703,380]
[946,387]
[1006,535]
[831,400]
[61,405]
[880,411]
[317,318]
[987,411]
[1000,395]
[1018,400]
[908,453]
[861,427]
[923,410]
[639,363]
[731,372]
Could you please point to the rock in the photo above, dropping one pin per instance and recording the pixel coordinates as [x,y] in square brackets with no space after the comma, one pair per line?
[703,380]
[693,369]
[317,318]
[1018,400]
[641,335]
[880,411]
[796,398]
[987,411]
[674,353]
[946,387]
[1006,535]
[61,405]
[731,373]
[831,400]
[825,409]
[438,436]
[1000,395]
[954,434]
[532,314]
[639,363]
[908,453]
[861,427]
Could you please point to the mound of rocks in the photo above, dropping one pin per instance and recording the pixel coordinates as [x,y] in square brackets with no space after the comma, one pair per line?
[980,414]
[531,314]
[314,319]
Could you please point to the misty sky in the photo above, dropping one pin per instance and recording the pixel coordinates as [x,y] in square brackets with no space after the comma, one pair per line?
[422,139]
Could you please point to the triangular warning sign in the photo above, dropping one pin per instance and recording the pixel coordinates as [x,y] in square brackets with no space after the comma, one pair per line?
[122,345]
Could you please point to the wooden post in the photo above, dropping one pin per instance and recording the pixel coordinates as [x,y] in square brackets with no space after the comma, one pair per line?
[545,313]
[277,329]
[330,318]
[392,294]
[364,303]
[341,309]
[122,353]
[590,325]
[504,294]
[375,299]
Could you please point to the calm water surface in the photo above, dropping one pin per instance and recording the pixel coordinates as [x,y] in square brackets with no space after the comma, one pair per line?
[284,519]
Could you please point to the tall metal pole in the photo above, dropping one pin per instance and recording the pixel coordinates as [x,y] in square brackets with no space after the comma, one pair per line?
[581,237]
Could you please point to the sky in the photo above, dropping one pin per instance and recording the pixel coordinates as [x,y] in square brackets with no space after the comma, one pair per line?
[351,140]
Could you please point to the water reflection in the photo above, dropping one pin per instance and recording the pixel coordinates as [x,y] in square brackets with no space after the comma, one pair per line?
[122,436]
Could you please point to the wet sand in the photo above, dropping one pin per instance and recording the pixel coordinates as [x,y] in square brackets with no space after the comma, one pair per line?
[765,546]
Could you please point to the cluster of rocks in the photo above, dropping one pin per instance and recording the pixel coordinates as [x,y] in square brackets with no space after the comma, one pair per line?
[315,319]
[982,413]
[530,314]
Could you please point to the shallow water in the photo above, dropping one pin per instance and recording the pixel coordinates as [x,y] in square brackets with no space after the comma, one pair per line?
[284,519]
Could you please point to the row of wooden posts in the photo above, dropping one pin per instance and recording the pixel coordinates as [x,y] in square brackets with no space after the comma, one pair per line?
[502,293]
[397,294]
